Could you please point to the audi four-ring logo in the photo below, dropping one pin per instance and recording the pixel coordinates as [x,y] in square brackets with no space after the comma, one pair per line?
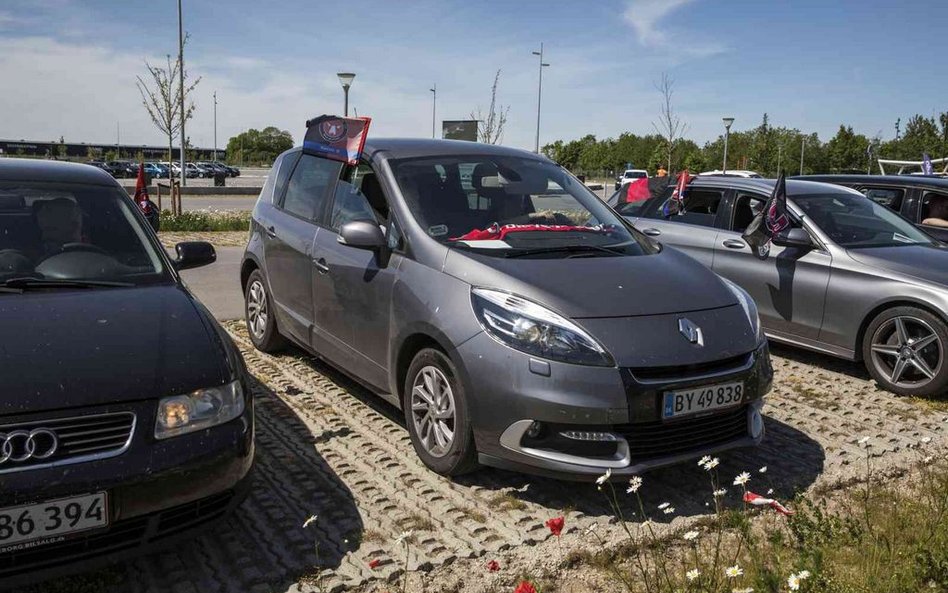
[24,445]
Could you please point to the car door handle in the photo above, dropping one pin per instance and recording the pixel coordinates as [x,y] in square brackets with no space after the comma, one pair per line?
[271,232]
[734,244]
[652,232]
[321,265]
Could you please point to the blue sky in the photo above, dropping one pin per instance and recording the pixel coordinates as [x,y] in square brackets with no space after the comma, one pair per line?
[68,66]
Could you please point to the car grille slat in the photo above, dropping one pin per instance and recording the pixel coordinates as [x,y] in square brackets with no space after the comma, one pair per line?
[78,439]
[658,439]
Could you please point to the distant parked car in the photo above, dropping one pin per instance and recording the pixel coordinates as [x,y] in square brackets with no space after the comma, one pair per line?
[127,413]
[732,173]
[152,170]
[851,278]
[629,176]
[99,165]
[923,200]
[122,169]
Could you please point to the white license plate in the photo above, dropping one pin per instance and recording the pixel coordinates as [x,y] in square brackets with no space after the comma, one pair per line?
[51,520]
[701,399]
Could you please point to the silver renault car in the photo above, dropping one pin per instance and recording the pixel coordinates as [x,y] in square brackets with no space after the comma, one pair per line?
[851,278]
[517,320]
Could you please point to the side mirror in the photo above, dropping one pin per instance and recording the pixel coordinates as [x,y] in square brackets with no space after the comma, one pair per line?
[362,234]
[194,254]
[793,237]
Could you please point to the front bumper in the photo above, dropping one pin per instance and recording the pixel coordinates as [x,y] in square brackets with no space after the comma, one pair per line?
[157,490]
[614,414]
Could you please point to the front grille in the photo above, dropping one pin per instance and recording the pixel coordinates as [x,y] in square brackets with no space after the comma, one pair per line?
[119,537]
[77,439]
[649,440]
[690,371]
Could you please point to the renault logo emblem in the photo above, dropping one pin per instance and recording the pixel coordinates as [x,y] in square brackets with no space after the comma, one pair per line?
[24,445]
[691,331]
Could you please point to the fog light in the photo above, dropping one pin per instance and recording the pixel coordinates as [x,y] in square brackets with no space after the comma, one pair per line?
[756,424]
[583,435]
[534,430]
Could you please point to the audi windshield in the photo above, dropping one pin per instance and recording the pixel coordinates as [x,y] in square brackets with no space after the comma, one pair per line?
[72,235]
[512,207]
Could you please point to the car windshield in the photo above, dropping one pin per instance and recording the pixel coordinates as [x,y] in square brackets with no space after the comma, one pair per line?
[512,206]
[634,174]
[73,232]
[854,221]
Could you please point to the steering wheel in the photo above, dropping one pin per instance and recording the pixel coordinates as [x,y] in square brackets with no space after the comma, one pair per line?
[88,247]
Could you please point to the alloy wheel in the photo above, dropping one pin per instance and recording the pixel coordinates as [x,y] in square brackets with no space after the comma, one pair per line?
[432,410]
[907,351]
[257,311]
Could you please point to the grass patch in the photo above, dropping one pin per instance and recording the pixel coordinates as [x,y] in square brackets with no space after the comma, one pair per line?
[507,502]
[416,522]
[204,220]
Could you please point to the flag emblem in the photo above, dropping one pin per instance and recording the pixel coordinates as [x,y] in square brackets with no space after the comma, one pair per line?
[333,130]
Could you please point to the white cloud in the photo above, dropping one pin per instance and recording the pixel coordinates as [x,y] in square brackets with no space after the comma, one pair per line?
[650,18]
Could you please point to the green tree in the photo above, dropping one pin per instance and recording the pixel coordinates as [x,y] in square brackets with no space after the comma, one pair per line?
[846,151]
[258,146]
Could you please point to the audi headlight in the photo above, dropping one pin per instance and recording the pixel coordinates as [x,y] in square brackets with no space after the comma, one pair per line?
[749,306]
[181,414]
[534,329]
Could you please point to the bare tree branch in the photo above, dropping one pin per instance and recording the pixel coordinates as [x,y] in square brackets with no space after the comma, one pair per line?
[669,126]
[491,128]
[161,98]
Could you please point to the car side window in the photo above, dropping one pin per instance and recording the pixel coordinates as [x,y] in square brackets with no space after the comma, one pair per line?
[701,207]
[309,186]
[934,209]
[348,205]
[746,207]
[889,197]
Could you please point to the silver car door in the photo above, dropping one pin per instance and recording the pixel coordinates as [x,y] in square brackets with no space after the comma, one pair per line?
[693,231]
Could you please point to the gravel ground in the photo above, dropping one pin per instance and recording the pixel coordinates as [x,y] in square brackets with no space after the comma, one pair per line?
[328,447]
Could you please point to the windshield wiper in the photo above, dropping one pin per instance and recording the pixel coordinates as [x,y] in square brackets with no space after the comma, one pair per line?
[563,249]
[27,283]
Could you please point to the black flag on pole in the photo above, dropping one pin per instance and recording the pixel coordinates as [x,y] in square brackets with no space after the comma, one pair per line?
[773,219]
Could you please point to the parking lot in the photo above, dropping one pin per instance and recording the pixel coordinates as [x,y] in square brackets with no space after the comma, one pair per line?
[327,447]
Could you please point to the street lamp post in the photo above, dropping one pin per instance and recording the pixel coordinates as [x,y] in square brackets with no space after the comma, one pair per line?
[182,113]
[802,145]
[434,106]
[345,78]
[727,133]
[539,94]
[215,126]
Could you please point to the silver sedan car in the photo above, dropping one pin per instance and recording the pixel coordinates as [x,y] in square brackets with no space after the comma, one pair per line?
[851,278]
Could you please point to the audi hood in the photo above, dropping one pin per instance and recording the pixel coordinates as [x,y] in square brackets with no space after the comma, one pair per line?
[69,348]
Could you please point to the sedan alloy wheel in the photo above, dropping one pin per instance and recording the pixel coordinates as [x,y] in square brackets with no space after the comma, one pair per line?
[432,410]
[907,351]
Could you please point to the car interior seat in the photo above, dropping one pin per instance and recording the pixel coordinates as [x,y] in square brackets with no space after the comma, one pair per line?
[372,190]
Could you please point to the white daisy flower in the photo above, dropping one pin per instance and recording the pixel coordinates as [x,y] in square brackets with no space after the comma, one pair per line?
[691,536]
[692,574]
[669,510]
[863,440]
[762,470]
[803,574]
[404,536]
[770,491]
[604,477]
[720,492]
[926,440]
[309,521]
[742,479]
[732,572]
[712,464]
[793,582]
[664,505]
[634,484]
[744,590]
[704,461]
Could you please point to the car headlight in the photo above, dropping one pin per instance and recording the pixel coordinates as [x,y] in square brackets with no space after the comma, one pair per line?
[534,329]
[749,306]
[181,414]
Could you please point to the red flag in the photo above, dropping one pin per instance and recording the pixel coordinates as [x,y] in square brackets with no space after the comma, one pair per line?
[141,190]
[758,500]
[638,190]
[337,138]
[676,204]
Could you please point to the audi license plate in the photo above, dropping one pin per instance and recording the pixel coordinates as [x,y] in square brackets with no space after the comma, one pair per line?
[26,525]
[702,399]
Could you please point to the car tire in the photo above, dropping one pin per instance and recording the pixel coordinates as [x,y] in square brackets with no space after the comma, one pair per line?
[904,350]
[442,391]
[258,315]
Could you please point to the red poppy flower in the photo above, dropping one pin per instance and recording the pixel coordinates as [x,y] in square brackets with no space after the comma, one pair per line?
[374,562]
[493,566]
[555,525]
[525,587]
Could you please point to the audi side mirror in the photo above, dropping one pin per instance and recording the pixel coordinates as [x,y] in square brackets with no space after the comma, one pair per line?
[793,237]
[362,234]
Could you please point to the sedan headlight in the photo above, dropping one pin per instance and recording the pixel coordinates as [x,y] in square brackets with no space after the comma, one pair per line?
[181,414]
[749,306]
[536,330]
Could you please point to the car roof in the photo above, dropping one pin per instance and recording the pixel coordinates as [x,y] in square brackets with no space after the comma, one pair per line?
[794,186]
[906,180]
[13,169]
[420,147]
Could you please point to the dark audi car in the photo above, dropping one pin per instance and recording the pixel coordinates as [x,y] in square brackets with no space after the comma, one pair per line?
[515,319]
[125,414]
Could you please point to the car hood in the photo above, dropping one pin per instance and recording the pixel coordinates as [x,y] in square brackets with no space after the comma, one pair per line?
[925,262]
[69,348]
[595,287]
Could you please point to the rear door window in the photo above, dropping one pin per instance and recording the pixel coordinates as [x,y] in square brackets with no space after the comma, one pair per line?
[701,207]
[935,209]
[890,197]
[746,207]
[309,186]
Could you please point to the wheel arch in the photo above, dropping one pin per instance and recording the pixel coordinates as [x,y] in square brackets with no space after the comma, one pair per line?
[247,267]
[410,345]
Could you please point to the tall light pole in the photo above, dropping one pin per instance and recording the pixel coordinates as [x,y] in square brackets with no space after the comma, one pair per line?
[345,78]
[434,106]
[181,88]
[727,133]
[539,95]
[215,126]
[802,145]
